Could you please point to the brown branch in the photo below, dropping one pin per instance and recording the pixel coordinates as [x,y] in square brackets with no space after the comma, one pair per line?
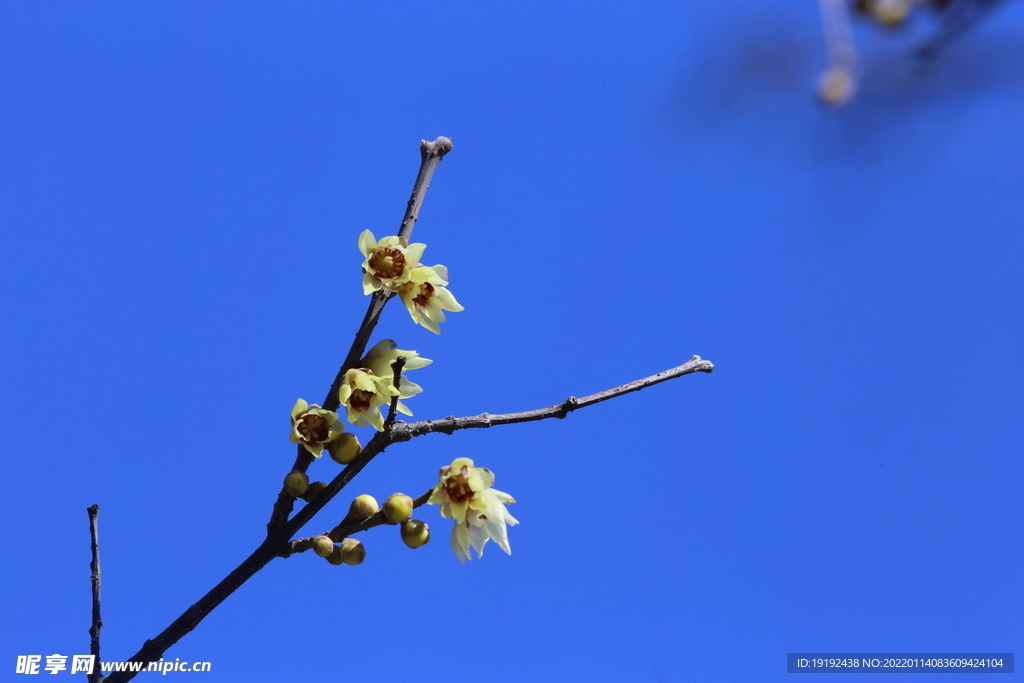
[396,367]
[94,568]
[403,431]
[431,154]
[277,542]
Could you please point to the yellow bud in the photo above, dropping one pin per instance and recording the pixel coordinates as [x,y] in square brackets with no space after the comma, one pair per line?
[296,483]
[837,85]
[352,551]
[398,507]
[344,448]
[362,507]
[415,533]
[323,546]
[335,556]
[313,491]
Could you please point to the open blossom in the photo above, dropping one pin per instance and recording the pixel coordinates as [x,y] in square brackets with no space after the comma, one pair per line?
[391,262]
[363,393]
[378,360]
[465,495]
[427,301]
[313,427]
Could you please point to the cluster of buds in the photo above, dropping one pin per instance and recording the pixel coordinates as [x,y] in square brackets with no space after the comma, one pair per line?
[350,551]
[397,510]
[394,264]
[464,493]
[366,389]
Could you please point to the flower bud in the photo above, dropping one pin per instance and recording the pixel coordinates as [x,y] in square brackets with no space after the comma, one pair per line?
[837,85]
[344,448]
[323,546]
[352,551]
[398,507]
[335,556]
[313,491]
[362,507]
[415,533]
[296,483]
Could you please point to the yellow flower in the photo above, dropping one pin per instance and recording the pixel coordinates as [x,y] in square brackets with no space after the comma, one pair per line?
[428,300]
[378,360]
[363,393]
[391,262]
[464,493]
[313,426]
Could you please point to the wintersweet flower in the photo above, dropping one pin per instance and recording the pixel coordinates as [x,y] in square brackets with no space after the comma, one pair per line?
[379,359]
[363,393]
[313,426]
[391,262]
[464,493]
[427,301]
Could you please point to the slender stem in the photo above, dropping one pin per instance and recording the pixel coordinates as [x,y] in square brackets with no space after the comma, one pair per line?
[396,367]
[403,431]
[94,568]
[431,154]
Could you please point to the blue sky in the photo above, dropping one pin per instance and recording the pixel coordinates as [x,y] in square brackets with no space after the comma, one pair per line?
[183,187]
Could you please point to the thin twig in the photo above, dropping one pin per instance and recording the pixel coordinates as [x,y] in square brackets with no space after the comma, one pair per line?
[396,367]
[94,568]
[431,154]
[403,431]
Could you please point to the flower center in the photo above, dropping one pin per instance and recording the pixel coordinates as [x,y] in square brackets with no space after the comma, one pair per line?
[359,401]
[313,429]
[457,488]
[387,262]
[423,297]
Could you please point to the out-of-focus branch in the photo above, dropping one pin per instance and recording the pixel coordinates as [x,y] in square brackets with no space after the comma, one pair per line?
[94,568]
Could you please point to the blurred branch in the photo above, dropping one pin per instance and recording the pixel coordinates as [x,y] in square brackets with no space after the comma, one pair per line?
[958,17]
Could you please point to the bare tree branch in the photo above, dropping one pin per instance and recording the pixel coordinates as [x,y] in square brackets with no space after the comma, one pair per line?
[94,568]
[404,431]
[396,367]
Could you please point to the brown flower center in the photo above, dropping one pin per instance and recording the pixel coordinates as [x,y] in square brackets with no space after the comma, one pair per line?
[387,262]
[423,297]
[359,401]
[313,429]
[457,487]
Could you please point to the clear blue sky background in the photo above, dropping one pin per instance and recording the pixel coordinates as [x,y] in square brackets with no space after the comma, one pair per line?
[631,184]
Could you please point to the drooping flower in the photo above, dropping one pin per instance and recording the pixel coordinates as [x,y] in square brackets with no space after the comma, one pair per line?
[313,427]
[391,262]
[428,300]
[465,495]
[363,393]
[378,360]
